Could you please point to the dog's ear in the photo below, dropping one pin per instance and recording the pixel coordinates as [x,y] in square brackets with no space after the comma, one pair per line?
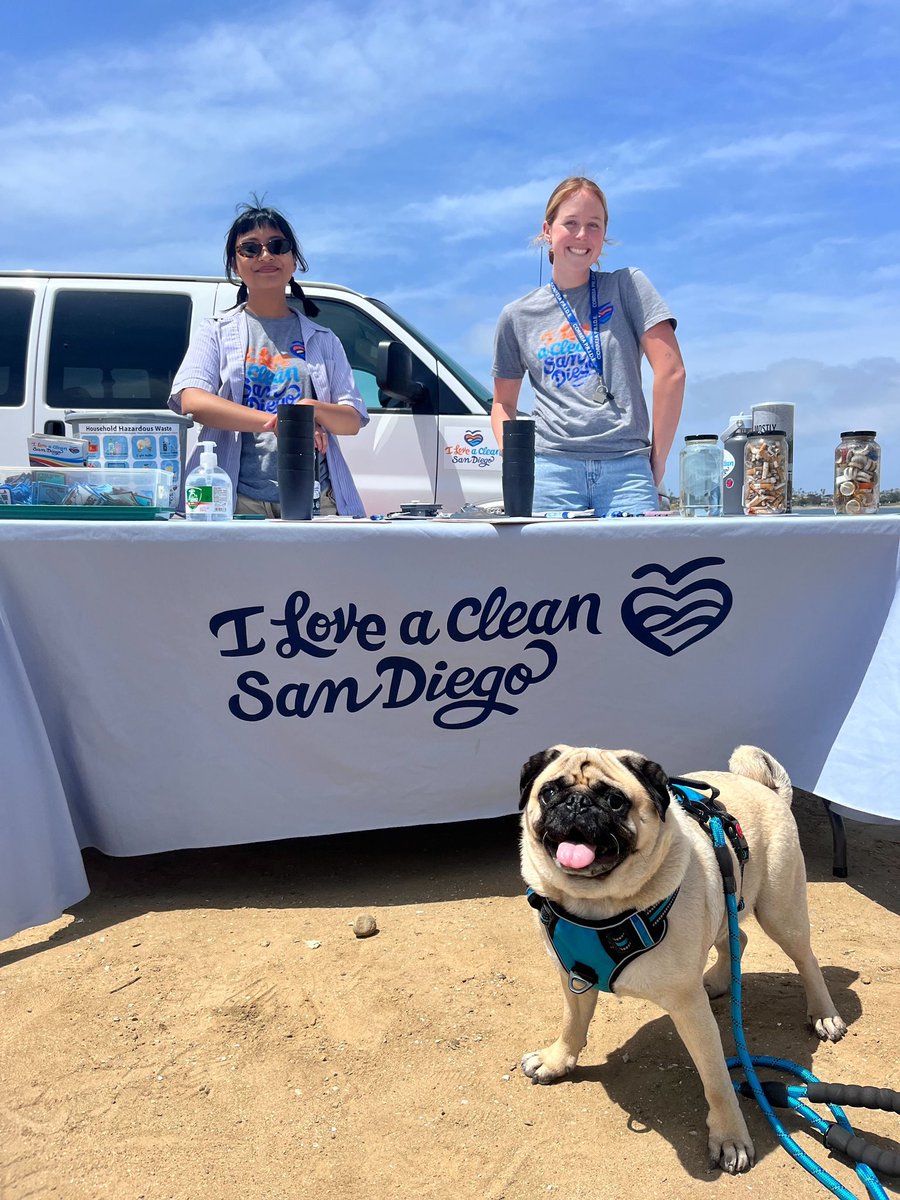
[653,777]
[533,768]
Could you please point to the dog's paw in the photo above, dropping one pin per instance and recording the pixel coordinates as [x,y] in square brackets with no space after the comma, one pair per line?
[733,1153]
[830,1028]
[548,1065]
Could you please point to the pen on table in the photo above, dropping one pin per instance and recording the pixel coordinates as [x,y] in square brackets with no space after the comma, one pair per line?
[567,514]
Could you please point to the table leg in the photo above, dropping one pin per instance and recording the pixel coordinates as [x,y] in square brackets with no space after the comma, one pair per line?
[838,841]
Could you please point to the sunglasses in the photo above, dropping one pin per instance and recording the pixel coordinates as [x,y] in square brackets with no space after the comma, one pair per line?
[253,249]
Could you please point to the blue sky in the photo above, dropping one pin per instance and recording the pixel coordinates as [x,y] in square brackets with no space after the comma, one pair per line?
[750,150]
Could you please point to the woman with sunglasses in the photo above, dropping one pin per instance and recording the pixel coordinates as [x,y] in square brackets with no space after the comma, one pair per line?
[264,352]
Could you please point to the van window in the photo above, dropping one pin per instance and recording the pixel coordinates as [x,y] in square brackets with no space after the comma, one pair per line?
[116,349]
[15,317]
[360,335]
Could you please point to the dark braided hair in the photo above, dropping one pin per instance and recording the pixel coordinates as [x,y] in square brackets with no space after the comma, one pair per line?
[255,215]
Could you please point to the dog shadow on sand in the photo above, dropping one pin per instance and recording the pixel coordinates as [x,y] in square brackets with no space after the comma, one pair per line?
[652,1078]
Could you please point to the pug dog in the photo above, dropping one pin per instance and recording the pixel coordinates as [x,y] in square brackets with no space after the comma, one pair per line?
[601,835]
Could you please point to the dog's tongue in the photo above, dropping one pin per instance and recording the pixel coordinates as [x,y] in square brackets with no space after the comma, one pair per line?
[575,855]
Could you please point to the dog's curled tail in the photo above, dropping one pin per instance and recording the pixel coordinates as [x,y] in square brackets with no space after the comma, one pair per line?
[757,764]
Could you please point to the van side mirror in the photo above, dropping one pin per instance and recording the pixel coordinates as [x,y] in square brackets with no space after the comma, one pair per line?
[393,374]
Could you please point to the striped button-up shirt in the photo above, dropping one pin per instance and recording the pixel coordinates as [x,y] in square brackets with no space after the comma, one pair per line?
[215,362]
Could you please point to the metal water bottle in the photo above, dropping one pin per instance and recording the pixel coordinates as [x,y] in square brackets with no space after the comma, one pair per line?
[701,476]
[733,440]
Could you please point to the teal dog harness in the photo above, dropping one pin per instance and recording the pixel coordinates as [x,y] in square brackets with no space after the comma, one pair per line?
[594,953]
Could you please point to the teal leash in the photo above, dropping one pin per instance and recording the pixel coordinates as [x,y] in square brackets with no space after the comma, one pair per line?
[792,1096]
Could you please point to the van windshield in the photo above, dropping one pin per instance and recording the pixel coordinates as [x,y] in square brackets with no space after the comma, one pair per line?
[478,390]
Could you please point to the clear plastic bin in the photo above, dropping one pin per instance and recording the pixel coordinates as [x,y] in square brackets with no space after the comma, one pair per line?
[86,487]
[139,440]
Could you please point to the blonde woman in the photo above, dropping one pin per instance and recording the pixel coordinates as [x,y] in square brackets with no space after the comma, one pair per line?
[580,340]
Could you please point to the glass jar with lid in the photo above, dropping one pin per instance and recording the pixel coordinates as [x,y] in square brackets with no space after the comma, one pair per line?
[701,476]
[766,473]
[857,473]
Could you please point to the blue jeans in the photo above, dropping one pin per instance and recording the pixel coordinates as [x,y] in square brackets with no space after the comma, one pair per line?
[607,485]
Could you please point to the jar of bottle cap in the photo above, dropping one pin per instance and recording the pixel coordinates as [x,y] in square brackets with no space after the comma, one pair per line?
[857,472]
[766,473]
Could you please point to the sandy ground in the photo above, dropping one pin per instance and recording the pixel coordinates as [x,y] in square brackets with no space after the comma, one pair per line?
[206,1024]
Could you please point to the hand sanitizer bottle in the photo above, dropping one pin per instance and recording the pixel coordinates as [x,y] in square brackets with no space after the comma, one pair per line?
[208,494]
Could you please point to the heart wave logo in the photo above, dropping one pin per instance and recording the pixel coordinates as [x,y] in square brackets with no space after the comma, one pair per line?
[669,619]
[473,437]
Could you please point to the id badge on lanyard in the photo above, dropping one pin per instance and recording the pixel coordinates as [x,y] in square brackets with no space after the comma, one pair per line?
[595,387]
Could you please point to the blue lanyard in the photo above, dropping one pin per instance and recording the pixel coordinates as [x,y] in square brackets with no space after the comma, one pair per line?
[592,349]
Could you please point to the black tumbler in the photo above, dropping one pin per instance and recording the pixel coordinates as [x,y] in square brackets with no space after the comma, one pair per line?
[518,468]
[296,460]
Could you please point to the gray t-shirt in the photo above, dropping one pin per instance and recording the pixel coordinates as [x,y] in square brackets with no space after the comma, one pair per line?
[534,337]
[275,372]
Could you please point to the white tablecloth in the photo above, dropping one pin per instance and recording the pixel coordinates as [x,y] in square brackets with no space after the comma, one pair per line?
[204,685]
[41,872]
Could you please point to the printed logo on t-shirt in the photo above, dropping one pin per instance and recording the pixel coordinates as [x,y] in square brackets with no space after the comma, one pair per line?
[271,379]
[562,358]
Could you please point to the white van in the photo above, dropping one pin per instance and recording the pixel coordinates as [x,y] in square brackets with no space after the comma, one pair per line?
[89,342]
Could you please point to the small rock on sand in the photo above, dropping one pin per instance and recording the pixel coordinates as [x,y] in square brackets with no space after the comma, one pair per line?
[365,925]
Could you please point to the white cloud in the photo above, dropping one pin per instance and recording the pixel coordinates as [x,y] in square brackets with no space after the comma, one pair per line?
[125,130]
[487,206]
[771,149]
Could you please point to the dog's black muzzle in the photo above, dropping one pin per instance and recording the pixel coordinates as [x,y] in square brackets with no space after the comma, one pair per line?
[580,815]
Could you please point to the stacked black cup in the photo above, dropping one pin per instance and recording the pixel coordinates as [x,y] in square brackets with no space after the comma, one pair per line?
[518,468]
[296,460]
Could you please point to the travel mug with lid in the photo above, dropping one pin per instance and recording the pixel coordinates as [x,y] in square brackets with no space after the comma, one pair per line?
[518,468]
[296,461]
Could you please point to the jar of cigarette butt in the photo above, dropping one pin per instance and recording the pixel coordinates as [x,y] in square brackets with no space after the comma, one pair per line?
[857,471]
[766,473]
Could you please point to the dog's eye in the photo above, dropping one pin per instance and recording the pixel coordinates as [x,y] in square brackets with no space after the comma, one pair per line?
[547,793]
[618,802]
